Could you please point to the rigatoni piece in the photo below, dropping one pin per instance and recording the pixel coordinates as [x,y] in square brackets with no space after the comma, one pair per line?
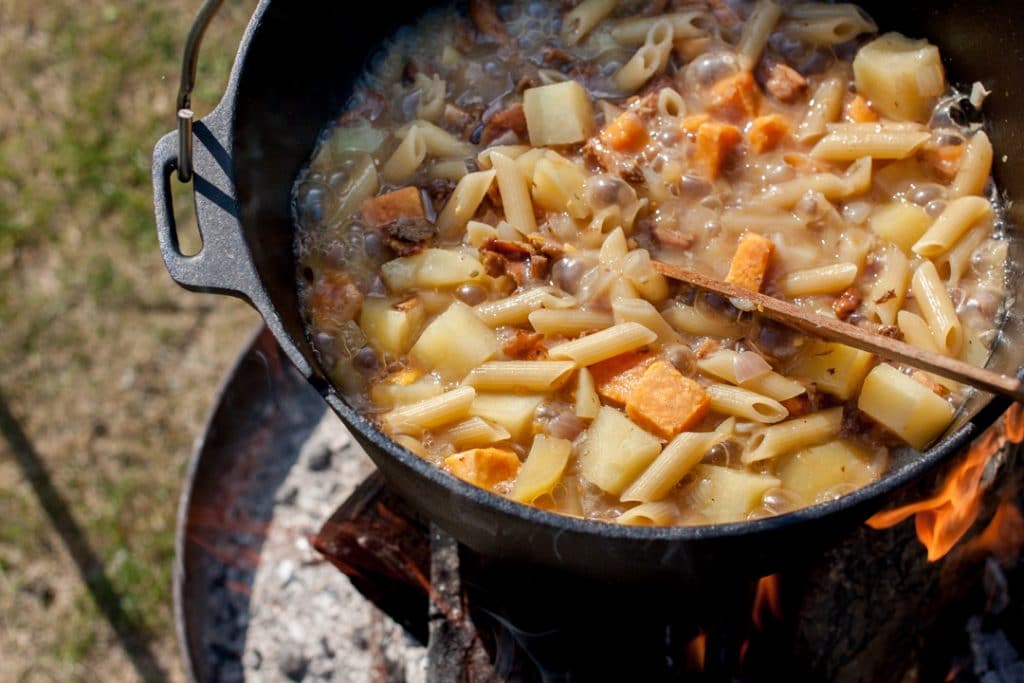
[616,451]
[542,470]
[483,467]
[558,114]
[432,412]
[521,375]
[605,344]
[903,78]
[835,369]
[514,412]
[750,262]
[454,343]
[792,435]
[664,402]
[724,495]
[907,408]
[678,458]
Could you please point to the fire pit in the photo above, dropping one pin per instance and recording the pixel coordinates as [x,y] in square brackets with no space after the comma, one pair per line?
[277,474]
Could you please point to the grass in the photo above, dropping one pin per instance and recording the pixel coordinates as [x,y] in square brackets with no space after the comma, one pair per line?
[107,366]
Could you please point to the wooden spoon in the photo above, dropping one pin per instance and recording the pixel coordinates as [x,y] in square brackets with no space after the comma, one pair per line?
[824,327]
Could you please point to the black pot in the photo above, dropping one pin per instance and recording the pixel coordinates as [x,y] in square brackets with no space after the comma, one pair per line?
[292,75]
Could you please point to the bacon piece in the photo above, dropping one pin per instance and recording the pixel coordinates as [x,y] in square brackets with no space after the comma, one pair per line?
[403,203]
[673,239]
[750,262]
[485,20]
[846,303]
[525,346]
[511,119]
[665,402]
[784,83]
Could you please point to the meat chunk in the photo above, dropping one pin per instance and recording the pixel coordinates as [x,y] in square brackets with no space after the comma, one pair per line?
[783,82]
[846,303]
[525,346]
[512,119]
[673,239]
[665,402]
[486,22]
[334,301]
[408,236]
[520,260]
[750,262]
[387,208]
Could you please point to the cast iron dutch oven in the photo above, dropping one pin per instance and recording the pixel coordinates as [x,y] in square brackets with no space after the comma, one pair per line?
[292,74]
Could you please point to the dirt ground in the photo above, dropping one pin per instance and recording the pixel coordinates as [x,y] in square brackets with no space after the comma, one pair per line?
[106,368]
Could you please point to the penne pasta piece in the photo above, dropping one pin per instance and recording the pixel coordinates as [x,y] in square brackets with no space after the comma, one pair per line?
[485,162]
[722,365]
[613,248]
[792,435]
[670,103]
[908,408]
[542,470]
[742,220]
[916,332]
[568,322]
[517,309]
[588,403]
[954,264]
[633,32]
[475,432]
[756,31]
[463,203]
[678,458]
[851,141]
[437,141]
[889,289]
[650,514]
[691,320]
[826,24]
[431,96]
[855,181]
[605,344]
[449,169]
[641,311]
[975,167]
[823,109]
[937,309]
[406,158]
[581,20]
[825,280]
[739,402]
[520,375]
[515,195]
[951,225]
[649,59]
[432,412]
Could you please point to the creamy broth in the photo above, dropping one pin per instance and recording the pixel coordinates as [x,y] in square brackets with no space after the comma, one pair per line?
[476,231]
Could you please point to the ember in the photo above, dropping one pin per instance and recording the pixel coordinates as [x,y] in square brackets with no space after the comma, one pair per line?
[942,520]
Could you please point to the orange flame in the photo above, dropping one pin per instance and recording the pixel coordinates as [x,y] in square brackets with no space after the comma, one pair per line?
[943,519]
[766,600]
[696,651]
[1003,537]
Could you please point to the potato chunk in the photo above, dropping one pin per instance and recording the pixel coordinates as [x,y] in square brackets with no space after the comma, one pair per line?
[558,114]
[483,467]
[666,403]
[616,451]
[454,343]
[814,471]
[903,78]
[900,223]
[431,268]
[514,413]
[834,368]
[391,328]
[726,495]
[908,408]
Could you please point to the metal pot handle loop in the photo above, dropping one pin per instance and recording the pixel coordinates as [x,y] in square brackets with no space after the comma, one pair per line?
[189,66]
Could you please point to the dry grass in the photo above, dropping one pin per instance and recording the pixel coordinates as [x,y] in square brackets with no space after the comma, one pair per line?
[105,365]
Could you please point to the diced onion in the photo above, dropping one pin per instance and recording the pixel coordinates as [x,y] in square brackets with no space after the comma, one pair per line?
[749,366]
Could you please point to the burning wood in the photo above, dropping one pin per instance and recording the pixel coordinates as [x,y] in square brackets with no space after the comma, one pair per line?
[943,519]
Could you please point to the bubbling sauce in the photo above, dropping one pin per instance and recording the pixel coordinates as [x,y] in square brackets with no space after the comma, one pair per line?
[476,234]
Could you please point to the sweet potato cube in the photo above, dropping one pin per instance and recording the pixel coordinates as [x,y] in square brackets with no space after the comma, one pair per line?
[715,141]
[750,262]
[736,97]
[766,132]
[616,378]
[483,467]
[692,123]
[859,111]
[626,133]
[946,159]
[664,402]
[404,203]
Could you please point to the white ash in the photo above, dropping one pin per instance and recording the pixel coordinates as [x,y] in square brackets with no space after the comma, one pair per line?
[306,621]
